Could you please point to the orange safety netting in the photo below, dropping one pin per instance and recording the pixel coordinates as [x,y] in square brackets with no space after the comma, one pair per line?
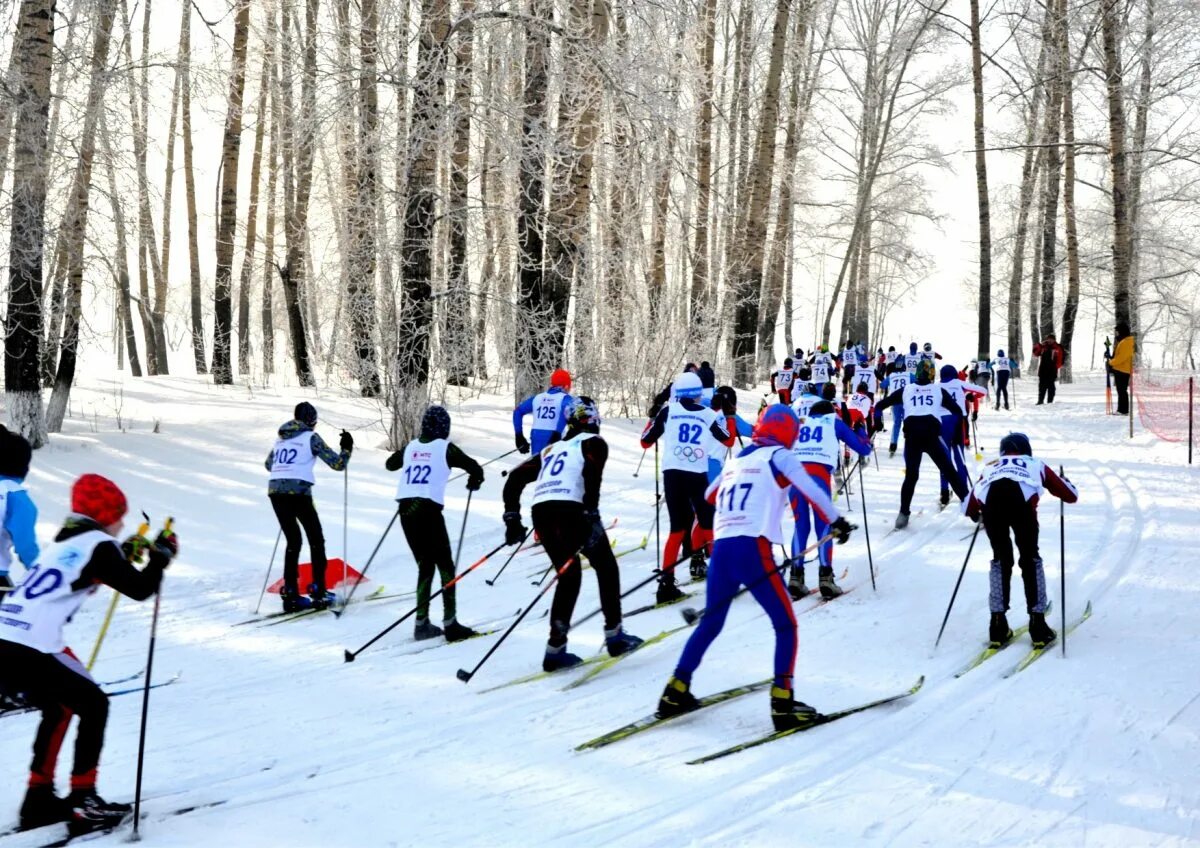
[1164,404]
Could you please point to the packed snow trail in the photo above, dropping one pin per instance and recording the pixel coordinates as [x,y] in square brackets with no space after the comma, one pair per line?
[303,749]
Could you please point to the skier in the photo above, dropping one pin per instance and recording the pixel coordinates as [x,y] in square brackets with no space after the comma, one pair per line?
[927,352]
[849,363]
[1006,497]
[781,381]
[35,660]
[691,433]
[983,372]
[954,427]
[1121,364]
[548,409]
[750,497]
[420,497]
[566,515]
[290,492]
[895,382]
[817,449]
[911,360]
[822,366]
[18,514]
[806,395]
[708,379]
[1050,359]
[724,403]
[922,433]
[1003,369]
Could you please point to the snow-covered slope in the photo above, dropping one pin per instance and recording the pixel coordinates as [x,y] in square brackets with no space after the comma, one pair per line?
[1099,748]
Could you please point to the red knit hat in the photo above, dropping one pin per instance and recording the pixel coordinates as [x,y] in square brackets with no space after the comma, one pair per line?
[561,378]
[99,499]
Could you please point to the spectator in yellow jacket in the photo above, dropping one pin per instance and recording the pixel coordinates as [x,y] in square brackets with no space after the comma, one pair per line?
[1121,363]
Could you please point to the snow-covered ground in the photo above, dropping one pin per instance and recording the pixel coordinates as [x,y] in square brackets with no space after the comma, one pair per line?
[1098,749]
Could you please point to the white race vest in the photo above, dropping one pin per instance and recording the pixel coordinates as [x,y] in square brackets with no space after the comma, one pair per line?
[35,612]
[1026,470]
[425,471]
[820,371]
[804,403]
[862,404]
[561,477]
[783,378]
[983,366]
[954,387]
[910,363]
[922,400]
[293,458]
[6,487]
[897,381]
[750,502]
[865,375]
[890,357]
[849,357]
[546,411]
[817,440]
[686,438]
[1001,365]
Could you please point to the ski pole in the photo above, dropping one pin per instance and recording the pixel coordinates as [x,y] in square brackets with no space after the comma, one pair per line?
[691,616]
[463,530]
[345,516]
[640,461]
[957,583]
[362,574]
[1062,564]
[142,530]
[141,757]
[654,575]
[862,491]
[464,675]
[270,565]
[975,436]
[351,655]
[520,547]
[657,511]
[483,465]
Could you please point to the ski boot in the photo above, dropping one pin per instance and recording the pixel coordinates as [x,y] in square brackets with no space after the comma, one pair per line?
[999,633]
[425,629]
[891,451]
[42,807]
[321,597]
[698,567]
[618,642]
[825,582]
[676,700]
[668,592]
[796,586]
[455,632]
[902,521]
[558,658]
[789,714]
[1040,633]
[944,500]
[89,812]
[293,601]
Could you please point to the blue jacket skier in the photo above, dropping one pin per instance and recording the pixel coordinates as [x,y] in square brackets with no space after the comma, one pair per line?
[18,514]
[549,411]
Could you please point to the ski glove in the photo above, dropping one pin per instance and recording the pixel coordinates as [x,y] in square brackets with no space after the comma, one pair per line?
[840,530]
[596,535]
[134,547]
[473,483]
[975,415]
[522,443]
[514,531]
[347,441]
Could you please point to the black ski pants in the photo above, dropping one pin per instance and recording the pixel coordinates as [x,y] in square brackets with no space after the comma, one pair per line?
[565,532]
[58,686]
[684,494]
[294,512]
[1121,380]
[1007,511]
[425,529]
[1046,386]
[1002,388]
[923,435]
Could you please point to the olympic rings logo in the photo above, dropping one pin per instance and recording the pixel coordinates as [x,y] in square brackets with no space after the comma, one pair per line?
[689,453]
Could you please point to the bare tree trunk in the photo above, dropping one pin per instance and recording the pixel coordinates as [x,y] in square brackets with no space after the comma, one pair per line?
[984,344]
[159,315]
[1035,278]
[122,272]
[222,365]
[1071,308]
[76,223]
[1141,112]
[247,275]
[1111,25]
[189,182]
[361,292]
[457,345]
[267,313]
[33,47]
[6,113]
[1053,176]
[702,292]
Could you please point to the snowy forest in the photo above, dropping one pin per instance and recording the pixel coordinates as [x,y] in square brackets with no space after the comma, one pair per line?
[402,196]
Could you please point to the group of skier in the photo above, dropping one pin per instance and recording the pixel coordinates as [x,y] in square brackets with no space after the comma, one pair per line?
[724,504]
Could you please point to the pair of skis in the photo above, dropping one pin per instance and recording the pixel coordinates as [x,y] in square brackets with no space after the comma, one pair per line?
[112,693]
[1034,653]
[273,618]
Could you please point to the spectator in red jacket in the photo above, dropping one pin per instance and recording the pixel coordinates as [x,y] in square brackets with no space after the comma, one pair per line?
[1050,359]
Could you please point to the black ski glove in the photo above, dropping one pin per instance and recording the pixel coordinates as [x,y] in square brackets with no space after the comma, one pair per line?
[840,530]
[347,441]
[164,549]
[522,443]
[975,415]
[473,483]
[514,531]
[596,534]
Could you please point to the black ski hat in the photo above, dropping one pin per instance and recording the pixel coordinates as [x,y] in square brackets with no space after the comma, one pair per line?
[15,454]
[708,379]
[306,413]
[435,423]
